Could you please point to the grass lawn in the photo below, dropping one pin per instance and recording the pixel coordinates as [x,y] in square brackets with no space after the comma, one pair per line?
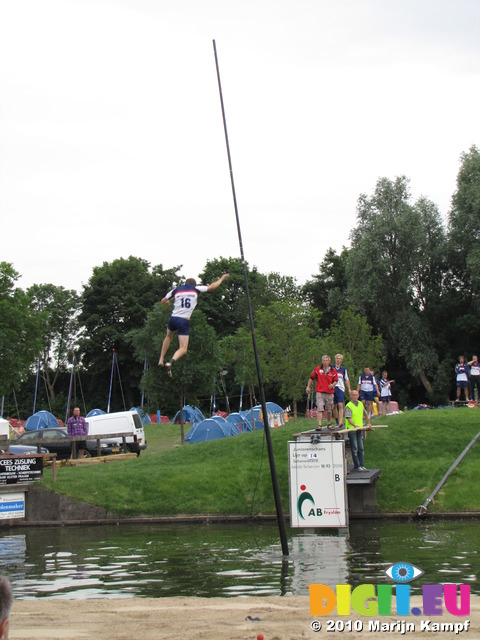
[232,475]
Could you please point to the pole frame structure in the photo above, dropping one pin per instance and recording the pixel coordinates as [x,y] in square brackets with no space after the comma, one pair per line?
[273,472]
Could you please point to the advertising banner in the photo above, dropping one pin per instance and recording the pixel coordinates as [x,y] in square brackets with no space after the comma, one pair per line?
[20,469]
[12,505]
[318,484]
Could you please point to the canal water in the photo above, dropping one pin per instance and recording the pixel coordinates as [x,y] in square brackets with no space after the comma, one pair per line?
[230,559]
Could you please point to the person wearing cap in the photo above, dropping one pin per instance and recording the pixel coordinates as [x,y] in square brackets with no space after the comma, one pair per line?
[326,378]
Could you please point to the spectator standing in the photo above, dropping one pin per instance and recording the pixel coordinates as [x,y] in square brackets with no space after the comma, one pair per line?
[354,414]
[461,373]
[77,426]
[367,389]
[474,365]
[385,392]
[376,393]
[6,602]
[339,391]
[326,378]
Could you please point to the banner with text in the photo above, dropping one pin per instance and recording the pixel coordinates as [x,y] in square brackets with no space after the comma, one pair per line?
[318,484]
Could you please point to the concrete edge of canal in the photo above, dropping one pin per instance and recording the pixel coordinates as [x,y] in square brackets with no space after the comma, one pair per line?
[47,508]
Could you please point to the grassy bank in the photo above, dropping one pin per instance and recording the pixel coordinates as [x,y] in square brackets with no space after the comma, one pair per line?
[232,475]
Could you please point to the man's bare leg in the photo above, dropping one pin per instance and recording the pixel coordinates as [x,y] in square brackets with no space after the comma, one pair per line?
[179,353]
[165,345]
[340,414]
[182,348]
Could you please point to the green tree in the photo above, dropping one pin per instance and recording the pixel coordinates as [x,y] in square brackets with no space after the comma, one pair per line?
[353,337]
[237,357]
[20,331]
[280,288]
[395,272]
[58,308]
[328,291]
[288,346]
[462,283]
[464,218]
[226,309]
[116,301]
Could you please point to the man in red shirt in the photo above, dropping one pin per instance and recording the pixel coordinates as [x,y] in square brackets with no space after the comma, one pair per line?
[326,378]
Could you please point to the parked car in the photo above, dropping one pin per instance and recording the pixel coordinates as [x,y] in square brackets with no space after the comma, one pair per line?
[55,440]
[22,449]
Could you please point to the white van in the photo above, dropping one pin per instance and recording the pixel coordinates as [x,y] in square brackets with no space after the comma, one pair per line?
[124,422]
[4,428]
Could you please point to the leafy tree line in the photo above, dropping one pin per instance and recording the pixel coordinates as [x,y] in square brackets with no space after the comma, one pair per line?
[404,295]
[414,278]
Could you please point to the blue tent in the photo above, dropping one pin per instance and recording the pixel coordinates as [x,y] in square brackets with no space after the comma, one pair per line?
[273,407]
[145,418]
[229,428]
[41,420]
[247,415]
[239,422]
[95,412]
[208,429]
[190,414]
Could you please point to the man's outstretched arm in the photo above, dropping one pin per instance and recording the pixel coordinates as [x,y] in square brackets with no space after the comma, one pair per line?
[218,282]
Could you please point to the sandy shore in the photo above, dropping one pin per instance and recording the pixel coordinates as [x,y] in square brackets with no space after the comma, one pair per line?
[286,618]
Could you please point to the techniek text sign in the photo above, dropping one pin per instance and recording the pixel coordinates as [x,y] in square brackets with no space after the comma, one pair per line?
[20,469]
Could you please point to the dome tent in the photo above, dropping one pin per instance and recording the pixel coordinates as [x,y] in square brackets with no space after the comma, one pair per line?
[190,414]
[41,420]
[273,407]
[208,429]
[247,415]
[95,412]
[144,417]
[239,422]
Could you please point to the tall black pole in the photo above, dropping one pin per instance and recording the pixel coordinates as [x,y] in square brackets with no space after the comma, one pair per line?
[273,472]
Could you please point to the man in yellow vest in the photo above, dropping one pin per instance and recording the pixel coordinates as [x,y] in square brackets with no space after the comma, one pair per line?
[354,413]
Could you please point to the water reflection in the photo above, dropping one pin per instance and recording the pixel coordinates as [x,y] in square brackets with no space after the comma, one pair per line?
[229,560]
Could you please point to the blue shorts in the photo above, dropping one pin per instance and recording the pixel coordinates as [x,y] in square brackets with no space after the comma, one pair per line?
[181,325]
[462,384]
[385,398]
[366,395]
[338,396]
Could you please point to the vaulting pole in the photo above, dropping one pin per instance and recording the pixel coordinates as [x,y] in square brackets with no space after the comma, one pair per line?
[273,472]
[422,509]
[111,381]
[72,374]
[36,385]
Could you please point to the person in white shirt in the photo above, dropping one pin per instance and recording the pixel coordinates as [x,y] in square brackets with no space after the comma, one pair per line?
[185,300]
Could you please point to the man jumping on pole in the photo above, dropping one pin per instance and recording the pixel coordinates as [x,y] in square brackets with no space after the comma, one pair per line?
[185,300]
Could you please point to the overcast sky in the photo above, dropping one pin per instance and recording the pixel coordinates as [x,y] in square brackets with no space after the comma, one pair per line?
[112,142]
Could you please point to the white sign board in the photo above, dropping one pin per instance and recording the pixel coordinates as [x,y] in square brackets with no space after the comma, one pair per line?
[318,484]
[12,505]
